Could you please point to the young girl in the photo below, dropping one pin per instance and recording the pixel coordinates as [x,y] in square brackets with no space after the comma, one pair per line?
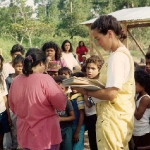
[68,56]
[5,121]
[141,132]
[53,53]
[17,64]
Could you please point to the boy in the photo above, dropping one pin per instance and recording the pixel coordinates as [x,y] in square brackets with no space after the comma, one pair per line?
[93,66]
[66,117]
[17,64]
[147,57]
[78,126]
[16,50]
[65,71]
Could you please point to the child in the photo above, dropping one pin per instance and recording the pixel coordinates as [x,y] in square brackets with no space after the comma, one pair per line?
[83,61]
[141,132]
[93,66]
[78,126]
[17,64]
[53,53]
[147,57]
[66,117]
[8,68]
[5,120]
[53,68]
[65,71]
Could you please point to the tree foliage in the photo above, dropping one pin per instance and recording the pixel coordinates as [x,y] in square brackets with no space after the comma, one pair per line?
[54,17]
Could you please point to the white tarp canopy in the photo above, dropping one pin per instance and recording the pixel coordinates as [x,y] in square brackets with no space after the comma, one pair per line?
[128,14]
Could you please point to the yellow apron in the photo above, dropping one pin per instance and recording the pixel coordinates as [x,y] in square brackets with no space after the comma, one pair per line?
[115,118]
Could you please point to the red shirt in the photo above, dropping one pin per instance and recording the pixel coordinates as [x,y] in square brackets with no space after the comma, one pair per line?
[81,50]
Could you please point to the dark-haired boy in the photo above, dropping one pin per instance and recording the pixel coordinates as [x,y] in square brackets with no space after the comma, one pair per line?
[7,67]
[147,58]
[66,117]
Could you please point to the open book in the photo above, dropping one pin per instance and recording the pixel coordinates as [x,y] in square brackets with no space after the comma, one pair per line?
[89,84]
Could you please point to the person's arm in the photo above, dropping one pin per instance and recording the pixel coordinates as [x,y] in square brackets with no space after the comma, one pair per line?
[86,50]
[54,94]
[86,101]
[11,104]
[103,94]
[63,63]
[71,117]
[69,109]
[7,109]
[80,122]
[77,51]
[80,103]
[144,103]
[117,74]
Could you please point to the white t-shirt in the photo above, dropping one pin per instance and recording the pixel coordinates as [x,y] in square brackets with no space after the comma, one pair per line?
[70,60]
[118,69]
[142,126]
[2,102]
[91,111]
[7,69]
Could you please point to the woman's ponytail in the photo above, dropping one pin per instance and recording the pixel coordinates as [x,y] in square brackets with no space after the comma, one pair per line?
[34,56]
[27,65]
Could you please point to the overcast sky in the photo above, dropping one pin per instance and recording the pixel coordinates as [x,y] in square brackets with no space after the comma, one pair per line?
[30,2]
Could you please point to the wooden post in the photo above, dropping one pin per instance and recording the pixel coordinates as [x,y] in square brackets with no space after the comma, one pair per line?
[97,50]
[90,40]
[136,43]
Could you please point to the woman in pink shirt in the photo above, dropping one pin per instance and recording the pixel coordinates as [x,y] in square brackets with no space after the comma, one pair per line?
[34,98]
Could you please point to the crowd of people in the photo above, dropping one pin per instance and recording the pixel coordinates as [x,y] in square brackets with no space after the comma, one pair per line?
[37,112]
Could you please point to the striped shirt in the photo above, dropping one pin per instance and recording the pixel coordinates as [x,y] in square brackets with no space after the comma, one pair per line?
[78,104]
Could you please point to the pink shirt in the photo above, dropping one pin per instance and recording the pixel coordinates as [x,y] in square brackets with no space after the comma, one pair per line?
[34,99]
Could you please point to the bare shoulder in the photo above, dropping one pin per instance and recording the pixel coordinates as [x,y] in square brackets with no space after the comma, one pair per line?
[145,101]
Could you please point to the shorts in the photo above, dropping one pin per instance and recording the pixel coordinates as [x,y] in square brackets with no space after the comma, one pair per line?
[4,124]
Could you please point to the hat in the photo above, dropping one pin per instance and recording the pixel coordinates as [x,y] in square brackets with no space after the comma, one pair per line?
[83,55]
[53,66]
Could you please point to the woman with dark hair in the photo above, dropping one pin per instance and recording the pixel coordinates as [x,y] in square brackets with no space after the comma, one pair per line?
[81,50]
[68,56]
[115,110]
[34,98]
[53,54]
